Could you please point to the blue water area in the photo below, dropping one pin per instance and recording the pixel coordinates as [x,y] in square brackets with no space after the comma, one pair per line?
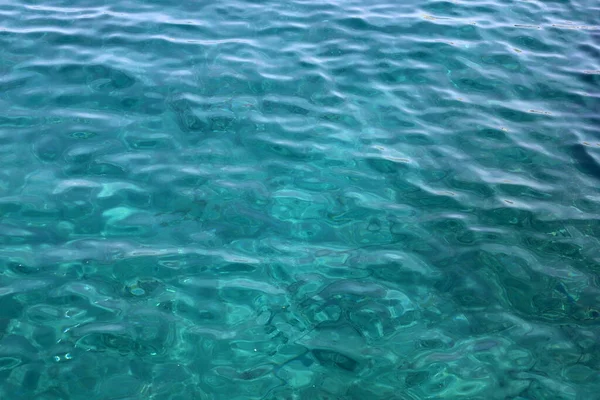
[303,199]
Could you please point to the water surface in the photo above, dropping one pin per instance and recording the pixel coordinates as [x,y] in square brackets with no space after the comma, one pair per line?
[299,200]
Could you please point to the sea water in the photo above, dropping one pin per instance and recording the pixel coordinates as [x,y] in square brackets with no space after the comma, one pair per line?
[361,199]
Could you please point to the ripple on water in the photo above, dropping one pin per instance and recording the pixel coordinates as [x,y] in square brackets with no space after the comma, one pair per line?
[349,200]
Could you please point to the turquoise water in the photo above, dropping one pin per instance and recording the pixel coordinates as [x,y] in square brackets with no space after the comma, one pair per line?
[299,200]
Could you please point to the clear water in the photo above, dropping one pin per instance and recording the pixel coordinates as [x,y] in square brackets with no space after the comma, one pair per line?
[365,199]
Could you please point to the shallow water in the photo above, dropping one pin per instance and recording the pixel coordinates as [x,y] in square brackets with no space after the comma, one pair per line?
[299,200]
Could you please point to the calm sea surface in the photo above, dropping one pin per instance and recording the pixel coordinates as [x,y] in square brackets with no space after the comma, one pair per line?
[361,199]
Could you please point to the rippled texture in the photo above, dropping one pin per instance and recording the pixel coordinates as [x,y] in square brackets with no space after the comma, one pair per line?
[299,200]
